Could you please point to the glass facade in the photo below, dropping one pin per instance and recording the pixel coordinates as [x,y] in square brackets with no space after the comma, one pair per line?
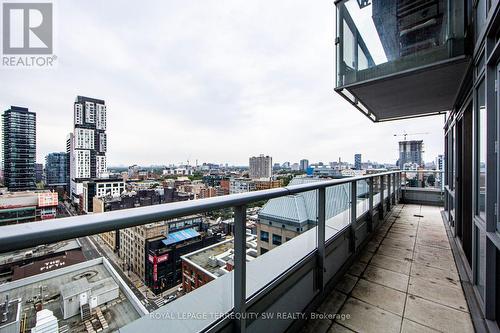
[481,261]
[19,148]
[383,37]
[481,151]
[56,165]
[476,218]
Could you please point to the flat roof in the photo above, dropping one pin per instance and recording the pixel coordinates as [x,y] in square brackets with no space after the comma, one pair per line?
[202,258]
[46,286]
[38,251]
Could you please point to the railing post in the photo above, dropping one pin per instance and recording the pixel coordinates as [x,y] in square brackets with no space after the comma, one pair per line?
[321,237]
[240,268]
[388,192]
[370,204]
[354,202]
[382,205]
[394,192]
[398,181]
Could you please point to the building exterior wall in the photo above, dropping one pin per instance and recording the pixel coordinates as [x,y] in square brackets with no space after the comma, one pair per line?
[88,144]
[260,167]
[263,227]
[19,148]
[267,184]
[56,169]
[193,277]
[241,185]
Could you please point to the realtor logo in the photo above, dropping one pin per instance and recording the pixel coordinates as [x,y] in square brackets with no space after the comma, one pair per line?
[27,28]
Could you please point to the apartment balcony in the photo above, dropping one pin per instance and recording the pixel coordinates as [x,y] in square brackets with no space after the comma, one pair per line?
[412,52]
[404,280]
[384,264]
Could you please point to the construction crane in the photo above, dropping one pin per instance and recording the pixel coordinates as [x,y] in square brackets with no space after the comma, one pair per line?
[404,135]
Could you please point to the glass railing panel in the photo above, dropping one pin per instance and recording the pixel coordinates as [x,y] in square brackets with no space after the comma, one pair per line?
[376,190]
[428,179]
[380,37]
[185,264]
[338,208]
[386,186]
[362,193]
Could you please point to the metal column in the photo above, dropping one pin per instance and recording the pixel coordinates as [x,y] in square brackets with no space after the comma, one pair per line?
[382,206]
[370,205]
[240,268]
[354,202]
[389,192]
[321,237]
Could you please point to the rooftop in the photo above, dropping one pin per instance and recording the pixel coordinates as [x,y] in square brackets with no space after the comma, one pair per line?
[38,251]
[48,288]
[213,259]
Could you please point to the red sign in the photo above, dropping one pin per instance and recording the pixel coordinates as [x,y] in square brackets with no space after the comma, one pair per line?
[155,260]
[162,258]
[155,270]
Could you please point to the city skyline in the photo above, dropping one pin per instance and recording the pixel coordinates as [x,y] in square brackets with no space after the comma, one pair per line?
[222,99]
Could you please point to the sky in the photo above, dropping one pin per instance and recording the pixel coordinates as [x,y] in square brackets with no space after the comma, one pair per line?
[214,81]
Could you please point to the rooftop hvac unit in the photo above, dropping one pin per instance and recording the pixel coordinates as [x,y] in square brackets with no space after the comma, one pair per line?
[212,261]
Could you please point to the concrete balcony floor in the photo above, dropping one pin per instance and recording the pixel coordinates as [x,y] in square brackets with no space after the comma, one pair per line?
[405,280]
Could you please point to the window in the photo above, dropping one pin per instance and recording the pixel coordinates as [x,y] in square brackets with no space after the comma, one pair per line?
[480,16]
[480,190]
[481,261]
[263,250]
[276,239]
[264,236]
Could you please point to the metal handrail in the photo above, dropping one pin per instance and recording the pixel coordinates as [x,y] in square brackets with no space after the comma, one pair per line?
[422,171]
[24,235]
[20,236]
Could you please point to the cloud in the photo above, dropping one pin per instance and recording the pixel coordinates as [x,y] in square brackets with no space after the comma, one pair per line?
[216,81]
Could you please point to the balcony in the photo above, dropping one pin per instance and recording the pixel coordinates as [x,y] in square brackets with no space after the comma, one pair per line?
[279,290]
[405,280]
[412,52]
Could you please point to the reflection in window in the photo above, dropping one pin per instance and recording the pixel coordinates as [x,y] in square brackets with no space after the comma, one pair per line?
[481,151]
[480,17]
[348,46]
[277,239]
[264,236]
[481,261]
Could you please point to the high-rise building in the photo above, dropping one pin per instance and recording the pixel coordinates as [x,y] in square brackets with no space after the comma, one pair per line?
[440,162]
[56,169]
[261,166]
[410,153]
[304,164]
[357,161]
[88,143]
[19,148]
[38,172]
[69,174]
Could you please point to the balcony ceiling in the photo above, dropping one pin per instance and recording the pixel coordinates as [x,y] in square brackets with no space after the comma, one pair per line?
[425,91]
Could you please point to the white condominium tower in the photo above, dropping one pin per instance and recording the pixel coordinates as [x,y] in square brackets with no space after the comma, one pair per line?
[87,144]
